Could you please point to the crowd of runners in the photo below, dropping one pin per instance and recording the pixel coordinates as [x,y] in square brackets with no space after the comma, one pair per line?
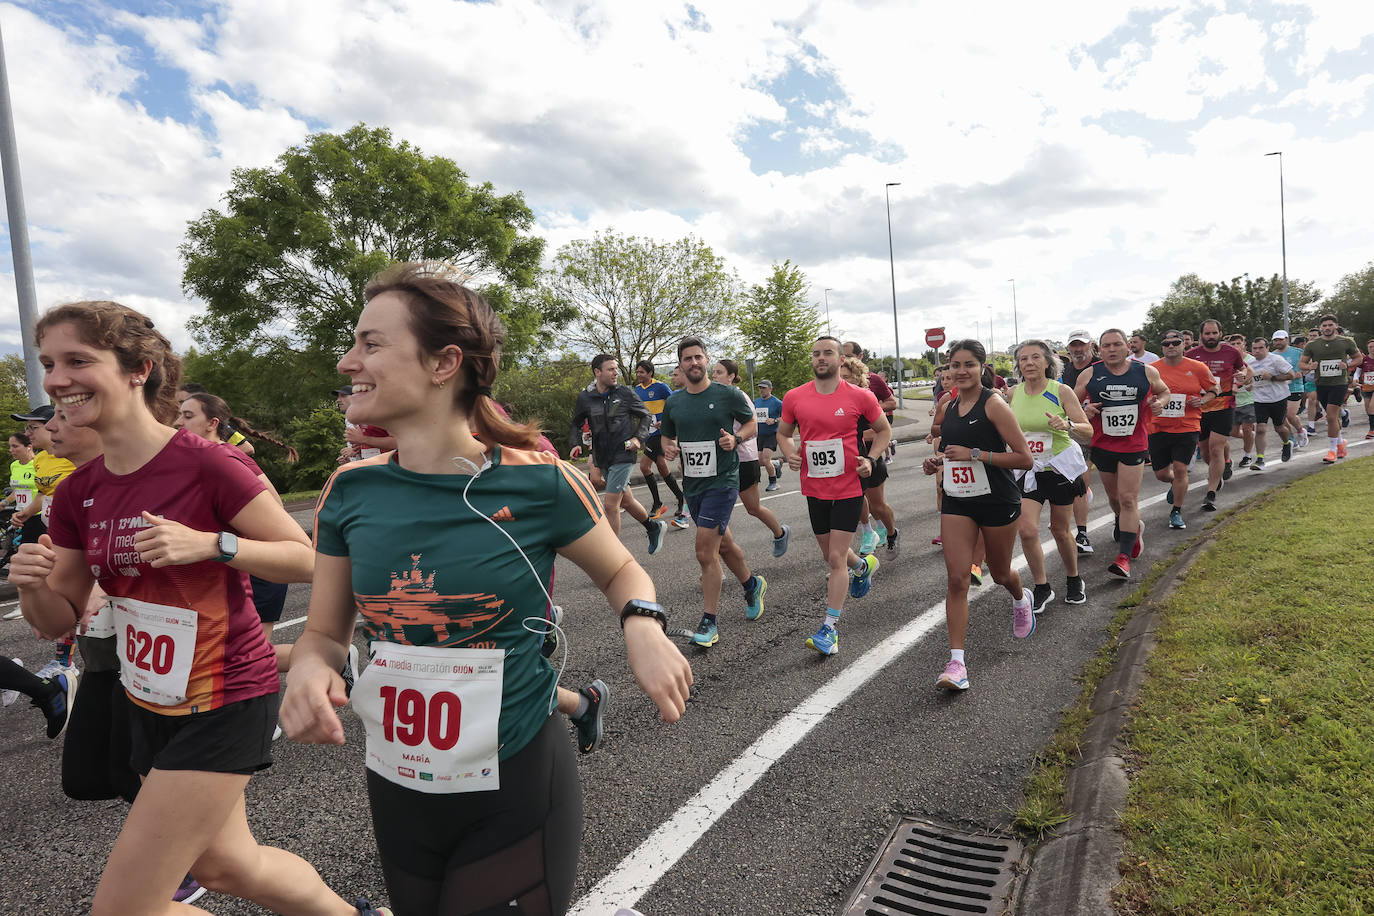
[145,539]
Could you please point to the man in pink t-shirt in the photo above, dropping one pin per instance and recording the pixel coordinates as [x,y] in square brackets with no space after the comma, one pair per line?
[826,412]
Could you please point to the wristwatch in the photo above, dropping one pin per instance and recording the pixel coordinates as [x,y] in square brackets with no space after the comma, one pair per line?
[975,454]
[637,608]
[228,545]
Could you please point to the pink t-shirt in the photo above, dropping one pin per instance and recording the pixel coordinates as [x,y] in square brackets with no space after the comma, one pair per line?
[830,469]
[202,485]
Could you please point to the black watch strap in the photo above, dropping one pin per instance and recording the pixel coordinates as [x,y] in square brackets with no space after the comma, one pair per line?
[637,608]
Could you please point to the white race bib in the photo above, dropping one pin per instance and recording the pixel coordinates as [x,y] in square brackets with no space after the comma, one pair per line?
[431,716]
[966,478]
[370,452]
[22,498]
[1175,408]
[761,415]
[102,623]
[157,644]
[1120,419]
[825,458]
[46,512]
[699,458]
[1328,368]
[1041,444]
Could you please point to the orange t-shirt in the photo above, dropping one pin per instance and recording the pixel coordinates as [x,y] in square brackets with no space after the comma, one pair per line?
[1188,379]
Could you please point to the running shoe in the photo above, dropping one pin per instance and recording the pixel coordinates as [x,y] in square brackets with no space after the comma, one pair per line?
[7,697]
[1244,461]
[1022,617]
[753,600]
[1311,429]
[975,576]
[1340,449]
[551,637]
[1139,547]
[1075,591]
[1329,457]
[778,467]
[1116,528]
[772,485]
[1287,454]
[1122,566]
[1209,502]
[892,546]
[657,512]
[16,613]
[277,732]
[681,521]
[826,641]
[706,635]
[366,909]
[954,677]
[1368,435]
[590,724]
[1226,471]
[781,541]
[1085,546]
[1303,438]
[656,534]
[189,892]
[1176,519]
[349,672]
[57,705]
[51,669]
[861,577]
[1345,417]
[881,531]
[1258,465]
[937,541]
[1042,596]
[867,543]
[1169,495]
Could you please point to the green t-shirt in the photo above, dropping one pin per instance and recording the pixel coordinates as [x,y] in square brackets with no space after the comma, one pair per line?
[22,483]
[1331,357]
[429,571]
[695,421]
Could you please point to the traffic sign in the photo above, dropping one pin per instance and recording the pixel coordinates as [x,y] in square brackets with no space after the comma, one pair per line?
[935,337]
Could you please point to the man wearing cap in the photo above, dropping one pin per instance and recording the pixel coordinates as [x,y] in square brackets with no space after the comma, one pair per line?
[1082,353]
[1272,374]
[767,411]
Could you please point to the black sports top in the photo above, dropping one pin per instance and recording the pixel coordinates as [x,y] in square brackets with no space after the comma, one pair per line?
[975,430]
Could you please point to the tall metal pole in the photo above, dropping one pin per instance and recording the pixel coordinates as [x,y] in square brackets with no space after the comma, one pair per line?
[992,341]
[19,239]
[892,269]
[1015,324]
[1283,240]
[827,312]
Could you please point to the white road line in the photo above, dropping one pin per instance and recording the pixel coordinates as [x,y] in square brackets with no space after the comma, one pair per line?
[639,871]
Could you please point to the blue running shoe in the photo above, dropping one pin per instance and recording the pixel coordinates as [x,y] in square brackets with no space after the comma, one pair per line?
[826,641]
[753,609]
[1176,519]
[656,533]
[706,635]
[1169,495]
[867,543]
[881,530]
[591,725]
[781,541]
[861,577]
[56,700]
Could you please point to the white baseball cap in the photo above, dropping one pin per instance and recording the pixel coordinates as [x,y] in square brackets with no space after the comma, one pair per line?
[1084,336]
[1280,334]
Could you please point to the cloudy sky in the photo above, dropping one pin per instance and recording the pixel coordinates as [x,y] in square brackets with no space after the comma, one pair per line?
[1092,151]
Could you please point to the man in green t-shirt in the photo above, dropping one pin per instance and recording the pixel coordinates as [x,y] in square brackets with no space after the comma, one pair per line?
[1332,358]
[696,421]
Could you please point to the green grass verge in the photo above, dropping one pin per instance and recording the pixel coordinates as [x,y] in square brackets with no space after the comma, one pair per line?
[300,496]
[1252,747]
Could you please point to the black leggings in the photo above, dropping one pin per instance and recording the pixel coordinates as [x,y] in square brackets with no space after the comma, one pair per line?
[17,677]
[96,749]
[471,853]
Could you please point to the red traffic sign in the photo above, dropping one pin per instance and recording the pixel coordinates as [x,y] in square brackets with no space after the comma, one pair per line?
[935,337]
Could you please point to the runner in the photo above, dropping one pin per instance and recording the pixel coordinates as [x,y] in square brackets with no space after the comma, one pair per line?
[1272,373]
[887,400]
[1244,427]
[877,521]
[1218,417]
[1047,413]
[941,392]
[1292,354]
[1174,431]
[1138,351]
[982,446]
[620,424]
[194,662]
[1309,391]
[1119,392]
[1188,341]
[768,411]
[1082,354]
[1331,357]
[23,492]
[53,696]
[826,410]
[466,819]
[726,372]
[1367,386]
[696,424]
[652,394]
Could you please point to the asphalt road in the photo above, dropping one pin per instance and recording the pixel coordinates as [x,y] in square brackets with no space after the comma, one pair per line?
[819,756]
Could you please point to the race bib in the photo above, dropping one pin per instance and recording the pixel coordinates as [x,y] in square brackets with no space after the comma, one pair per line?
[1041,444]
[699,459]
[1120,420]
[431,716]
[46,512]
[157,644]
[1329,368]
[761,415]
[370,452]
[22,499]
[966,478]
[825,458]
[102,623]
[1175,408]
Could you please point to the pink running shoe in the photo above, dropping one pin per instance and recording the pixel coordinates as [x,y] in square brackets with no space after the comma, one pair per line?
[1022,616]
[954,677]
[1139,547]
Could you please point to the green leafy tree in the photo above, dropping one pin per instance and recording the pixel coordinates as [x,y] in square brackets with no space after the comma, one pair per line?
[777,326]
[14,388]
[1253,307]
[636,298]
[1353,304]
[545,395]
[318,436]
[281,269]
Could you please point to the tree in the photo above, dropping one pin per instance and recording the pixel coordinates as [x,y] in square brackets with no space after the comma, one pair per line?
[636,298]
[1242,305]
[282,269]
[14,386]
[777,327]
[1353,304]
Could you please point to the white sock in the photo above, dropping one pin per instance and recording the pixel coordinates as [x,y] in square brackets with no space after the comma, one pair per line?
[831,620]
[1024,599]
[1249,455]
[1335,441]
[956,655]
[867,527]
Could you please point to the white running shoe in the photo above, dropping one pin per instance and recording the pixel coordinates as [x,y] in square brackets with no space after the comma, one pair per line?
[7,697]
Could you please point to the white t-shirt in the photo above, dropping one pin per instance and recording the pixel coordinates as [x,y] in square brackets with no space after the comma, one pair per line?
[1147,357]
[1267,392]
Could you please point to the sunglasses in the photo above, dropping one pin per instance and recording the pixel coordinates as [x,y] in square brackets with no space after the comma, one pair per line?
[1173,342]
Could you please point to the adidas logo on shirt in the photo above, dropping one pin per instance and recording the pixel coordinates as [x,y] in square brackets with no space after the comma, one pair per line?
[839,411]
[503,515]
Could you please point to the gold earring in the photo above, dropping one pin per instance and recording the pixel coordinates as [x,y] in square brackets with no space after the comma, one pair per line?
[439,383]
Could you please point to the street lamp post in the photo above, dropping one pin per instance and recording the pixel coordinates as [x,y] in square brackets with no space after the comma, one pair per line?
[892,270]
[827,312]
[1015,324]
[992,340]
[19,240]
[1283,239]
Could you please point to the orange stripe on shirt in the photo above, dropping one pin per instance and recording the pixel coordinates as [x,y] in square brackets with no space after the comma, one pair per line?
[372,462]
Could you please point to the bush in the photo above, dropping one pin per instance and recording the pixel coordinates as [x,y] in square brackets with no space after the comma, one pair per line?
[318,436]
[545,395]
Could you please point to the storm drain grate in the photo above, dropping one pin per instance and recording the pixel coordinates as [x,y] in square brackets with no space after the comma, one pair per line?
[928,869]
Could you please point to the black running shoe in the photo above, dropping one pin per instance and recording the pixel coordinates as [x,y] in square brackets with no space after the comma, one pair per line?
[56,702]
[589,724]
[1226,471]
[1287,451]
[1042,596]
[1209,502]
[1244,461]
[1085,547]
[1075,592]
